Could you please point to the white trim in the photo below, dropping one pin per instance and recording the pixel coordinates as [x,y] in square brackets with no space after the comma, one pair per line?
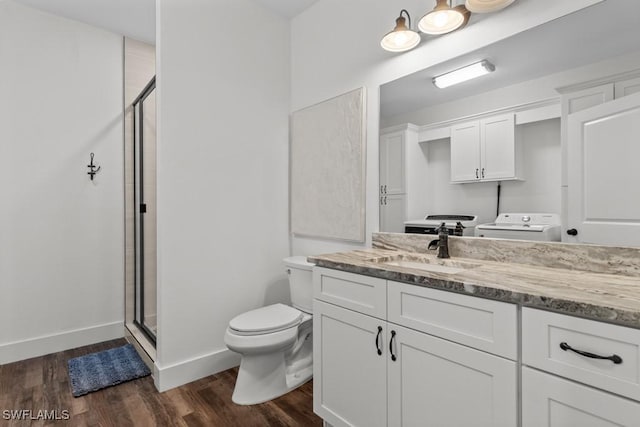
[502,110]
[168,377]
[400,128]
[34,347]
[627,75]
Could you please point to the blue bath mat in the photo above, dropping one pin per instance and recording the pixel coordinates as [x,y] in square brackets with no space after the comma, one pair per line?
[96,371]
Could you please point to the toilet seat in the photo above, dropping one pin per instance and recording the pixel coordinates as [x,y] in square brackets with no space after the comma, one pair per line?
[266,320]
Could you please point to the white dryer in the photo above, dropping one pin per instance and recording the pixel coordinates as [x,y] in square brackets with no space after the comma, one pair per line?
[522,226]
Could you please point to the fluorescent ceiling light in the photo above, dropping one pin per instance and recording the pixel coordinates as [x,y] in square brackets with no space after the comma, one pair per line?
[463,74]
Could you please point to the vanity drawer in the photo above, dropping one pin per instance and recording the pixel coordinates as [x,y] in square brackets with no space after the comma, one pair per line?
[487,325]
[544,334]
[364,294]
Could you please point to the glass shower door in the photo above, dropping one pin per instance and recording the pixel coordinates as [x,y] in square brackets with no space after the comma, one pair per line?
[144,108]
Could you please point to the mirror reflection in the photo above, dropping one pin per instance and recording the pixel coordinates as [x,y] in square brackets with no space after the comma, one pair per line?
[542,148]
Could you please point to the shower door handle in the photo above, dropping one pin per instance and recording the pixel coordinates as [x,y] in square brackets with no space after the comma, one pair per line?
[143,208]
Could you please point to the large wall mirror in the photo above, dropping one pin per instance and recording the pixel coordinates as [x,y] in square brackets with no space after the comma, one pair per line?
[559,85]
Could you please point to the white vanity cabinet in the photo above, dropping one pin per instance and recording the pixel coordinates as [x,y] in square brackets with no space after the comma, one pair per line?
[484,150]
[370,371]
[566,383]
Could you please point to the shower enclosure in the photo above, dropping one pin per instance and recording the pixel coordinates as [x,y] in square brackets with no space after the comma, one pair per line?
[144,164]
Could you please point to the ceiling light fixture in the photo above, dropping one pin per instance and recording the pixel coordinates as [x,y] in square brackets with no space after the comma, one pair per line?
[486,6]
[463,74]
[401,38]
[443,18]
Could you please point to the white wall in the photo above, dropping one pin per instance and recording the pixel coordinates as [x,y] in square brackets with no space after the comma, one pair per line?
[223,104]
[335,48]
[61,235]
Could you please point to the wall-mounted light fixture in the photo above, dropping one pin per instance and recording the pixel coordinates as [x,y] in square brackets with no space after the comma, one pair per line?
[463,74]
[401,38]
[443,19]
[486,6]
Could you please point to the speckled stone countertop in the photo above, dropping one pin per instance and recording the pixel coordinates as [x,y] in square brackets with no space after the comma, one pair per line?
[612,297]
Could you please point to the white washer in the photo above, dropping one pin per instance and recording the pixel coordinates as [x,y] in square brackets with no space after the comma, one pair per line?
[522,226]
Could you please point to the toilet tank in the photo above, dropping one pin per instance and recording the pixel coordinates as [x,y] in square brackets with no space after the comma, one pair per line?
[300,282]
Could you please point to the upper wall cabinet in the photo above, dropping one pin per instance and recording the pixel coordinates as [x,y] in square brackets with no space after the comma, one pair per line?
[484,150]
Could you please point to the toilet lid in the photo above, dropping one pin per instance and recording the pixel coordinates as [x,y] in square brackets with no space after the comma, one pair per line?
[271,318]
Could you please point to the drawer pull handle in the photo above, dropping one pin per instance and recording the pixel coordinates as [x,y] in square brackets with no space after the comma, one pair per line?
[378,341]
[393,337]
[615,358]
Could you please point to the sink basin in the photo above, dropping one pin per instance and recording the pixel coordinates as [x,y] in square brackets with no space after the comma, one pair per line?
[434,265]
[426,267]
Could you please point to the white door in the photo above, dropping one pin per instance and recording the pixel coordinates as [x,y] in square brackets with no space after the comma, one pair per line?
[603,173]
[465,152]
[550,401]
[392,178]
[497,147]
[437,383]
[349,373]
[392,212]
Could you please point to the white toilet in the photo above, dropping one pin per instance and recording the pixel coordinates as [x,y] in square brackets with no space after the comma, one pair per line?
[275,341]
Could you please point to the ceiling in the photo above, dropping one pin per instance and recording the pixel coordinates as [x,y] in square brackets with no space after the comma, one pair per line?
[602,31]
[131,18]
[137,18]
[286,8]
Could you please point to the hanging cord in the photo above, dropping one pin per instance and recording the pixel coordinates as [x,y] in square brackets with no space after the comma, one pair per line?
[498,203]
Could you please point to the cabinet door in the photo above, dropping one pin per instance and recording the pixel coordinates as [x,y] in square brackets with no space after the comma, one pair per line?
[549,401]
[349,376]
[603,196]
[497,147]
[437,383]
[392,157]
[465,152]
[392,212]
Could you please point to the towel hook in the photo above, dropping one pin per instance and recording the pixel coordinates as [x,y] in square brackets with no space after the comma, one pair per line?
[92,168]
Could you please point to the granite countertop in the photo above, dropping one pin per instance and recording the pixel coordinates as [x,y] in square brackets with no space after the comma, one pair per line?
[613,298]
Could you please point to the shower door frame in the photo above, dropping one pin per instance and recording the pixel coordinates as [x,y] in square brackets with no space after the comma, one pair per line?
[140,210]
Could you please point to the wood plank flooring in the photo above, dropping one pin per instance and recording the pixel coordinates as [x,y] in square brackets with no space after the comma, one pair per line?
[42,383]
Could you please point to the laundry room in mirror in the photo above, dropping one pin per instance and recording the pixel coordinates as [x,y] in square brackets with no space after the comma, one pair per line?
[503,155]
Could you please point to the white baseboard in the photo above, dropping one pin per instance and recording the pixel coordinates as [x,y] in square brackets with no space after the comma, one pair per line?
[34,347]
[168,377]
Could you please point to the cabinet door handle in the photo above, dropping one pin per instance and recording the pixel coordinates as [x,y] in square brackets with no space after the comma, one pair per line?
[381,187]
[385,200]
[393,337]
[477,173]
[380,200]
[572,232]
[385,189]
[483,172]
[614,358]
[378,341]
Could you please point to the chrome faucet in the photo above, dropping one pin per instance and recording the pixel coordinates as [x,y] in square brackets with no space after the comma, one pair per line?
[442,242]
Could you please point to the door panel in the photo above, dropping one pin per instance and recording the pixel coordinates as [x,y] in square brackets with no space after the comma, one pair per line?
[437,383]
[604,148]
[550,401]
[497,147]
[465,152]
[349,376]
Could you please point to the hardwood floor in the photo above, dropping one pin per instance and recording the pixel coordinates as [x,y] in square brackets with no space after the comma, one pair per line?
[42,384]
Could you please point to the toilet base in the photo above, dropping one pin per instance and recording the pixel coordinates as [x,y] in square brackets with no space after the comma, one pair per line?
[264,377]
